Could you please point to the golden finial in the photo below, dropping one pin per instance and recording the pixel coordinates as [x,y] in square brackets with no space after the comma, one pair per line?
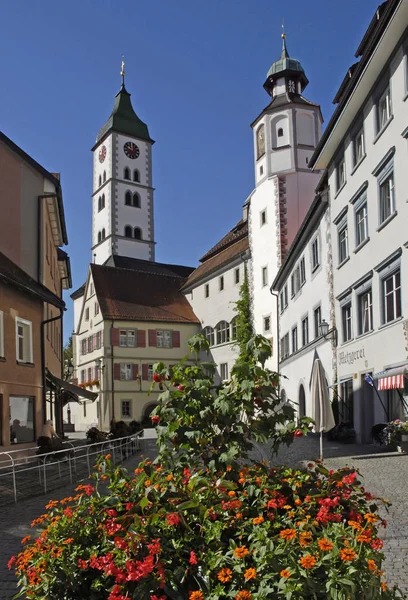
[283,29]
[122,72]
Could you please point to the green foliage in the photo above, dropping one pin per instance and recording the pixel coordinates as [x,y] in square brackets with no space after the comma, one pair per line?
[244,320]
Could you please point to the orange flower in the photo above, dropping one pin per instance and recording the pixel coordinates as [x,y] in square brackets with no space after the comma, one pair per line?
[347,554]
[250,574]
[108,456]
[383,586]
[225,575]
[197,595]
[288,534]
[298,501]
[371,565]
[148,482]
[68,541]
[308,561]
[325,545]
[229,468]
[51,504]
[371,517]
[365,536]
[238,516]
[258,520]
[241,480]
[170,477]
[305,539]
[355,525]
[241,551]
[26,539]
[285,573]
[243,595]
[231,493]
[287,507]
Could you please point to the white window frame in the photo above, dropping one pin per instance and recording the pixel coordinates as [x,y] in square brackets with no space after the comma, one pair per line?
[361,223]
[388,178]
[365,311]
[96,309]
[302,266]
[27,341]
[164,338]
[343,244]
[384,101]
[316,324]
[224,371]
[84,346]
[396,291]
[263,217]
[315,255]
[359,137]
[1,334]
[341,173]
[126,371]
[305,330]
[347,321]
[295,340]
[284,346]
[209,334]
[236,276]
[222,333]
[267,318]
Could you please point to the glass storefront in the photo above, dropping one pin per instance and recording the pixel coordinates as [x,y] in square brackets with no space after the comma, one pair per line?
[21,419]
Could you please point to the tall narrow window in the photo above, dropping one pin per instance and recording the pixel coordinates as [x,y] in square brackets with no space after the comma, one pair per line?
[341,173]
[104,176]
[128,198]
[346,322]
[126,173]
[136,200]
[221,283]
[99,236]
[209,334]
[317,319]
[236,275]
[387,202]
[224,371]
[365,312]
[100,180]
[361,224]
[222,330]
[391,299]
[358,146]
[343,244]
[136,175]
[302,270]
[305,331]
[264,276]
[137,233]
[24,341]
[384,108]
[103,234]
[206,290]
[128,231]
[280,132]
[294,340]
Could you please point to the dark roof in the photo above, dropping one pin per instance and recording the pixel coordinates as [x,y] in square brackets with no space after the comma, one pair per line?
[63,257]
[283,100]
[53,177]
[236,233]
[308,226]
[344,83]
[148,266]
[370,40]
[285,63]
[137,295]
[11,274]
[123,119]
[215,262]
[79,292]
[72,391]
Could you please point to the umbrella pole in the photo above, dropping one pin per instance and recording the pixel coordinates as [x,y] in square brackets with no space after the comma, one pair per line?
[321,445]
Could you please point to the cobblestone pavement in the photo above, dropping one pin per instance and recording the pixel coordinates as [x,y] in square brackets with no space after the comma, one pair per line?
[384,474]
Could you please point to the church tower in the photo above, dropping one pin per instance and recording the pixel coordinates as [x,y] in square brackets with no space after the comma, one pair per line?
[122,199]
[285,135]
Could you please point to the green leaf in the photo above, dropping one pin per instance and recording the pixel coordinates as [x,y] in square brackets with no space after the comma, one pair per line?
[143,502]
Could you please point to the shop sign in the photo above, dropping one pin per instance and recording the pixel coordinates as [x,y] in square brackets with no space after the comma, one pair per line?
[349,358]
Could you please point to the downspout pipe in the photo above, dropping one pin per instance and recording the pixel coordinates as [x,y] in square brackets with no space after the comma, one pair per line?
[43,365]
[112,374]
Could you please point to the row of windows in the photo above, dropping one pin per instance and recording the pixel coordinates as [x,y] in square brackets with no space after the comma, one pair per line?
[24,339]
[298,276]
[382,116]
[386,210]
[126,175]
[101,235]
[357,318]
[222,333]
[96,311]
[92,342]
[288,346]
[129,232]
[221,282]
[130,200]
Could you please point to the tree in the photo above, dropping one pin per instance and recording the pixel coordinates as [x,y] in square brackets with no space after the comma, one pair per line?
[68,356]
[245,330]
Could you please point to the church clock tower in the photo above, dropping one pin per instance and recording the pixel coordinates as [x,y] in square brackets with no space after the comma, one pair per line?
[122,199]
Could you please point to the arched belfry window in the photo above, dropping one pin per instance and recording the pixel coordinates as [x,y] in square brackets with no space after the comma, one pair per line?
[138,233]
[126,173]
[260,142]
[103,234]
[104,176]
[209,334]
[99,236]
[222,330]
[100,180]
[136,200]
[128,198]
[128,231]
[280,132]
[136,175]
[103,200]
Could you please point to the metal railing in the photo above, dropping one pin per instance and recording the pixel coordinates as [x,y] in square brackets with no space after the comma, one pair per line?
[25,467]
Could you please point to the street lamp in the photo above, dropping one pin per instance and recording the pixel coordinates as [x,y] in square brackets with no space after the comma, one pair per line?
[70,369]
[328,333]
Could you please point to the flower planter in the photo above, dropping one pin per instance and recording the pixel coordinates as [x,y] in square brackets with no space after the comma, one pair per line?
[404,445]
[404,437]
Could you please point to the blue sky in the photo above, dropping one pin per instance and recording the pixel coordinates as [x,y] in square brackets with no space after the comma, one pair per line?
[195,70]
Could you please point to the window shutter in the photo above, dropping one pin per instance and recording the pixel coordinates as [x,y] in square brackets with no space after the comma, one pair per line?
[92,373]
[176,339]
[152,337]
[141,338]
[135,370]
[115,337]
[116,371]
[145,372]
[94,342]
[101,337]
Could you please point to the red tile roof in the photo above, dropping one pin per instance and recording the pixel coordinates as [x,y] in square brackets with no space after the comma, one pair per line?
[216,261]
[132,295]
[238,232]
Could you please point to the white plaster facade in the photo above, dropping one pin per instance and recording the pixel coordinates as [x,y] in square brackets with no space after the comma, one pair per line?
[365,151]
[303,285]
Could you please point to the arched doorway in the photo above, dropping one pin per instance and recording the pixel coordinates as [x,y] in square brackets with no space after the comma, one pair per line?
[302,402]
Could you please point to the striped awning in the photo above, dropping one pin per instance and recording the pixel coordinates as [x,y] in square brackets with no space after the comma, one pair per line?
[393,379]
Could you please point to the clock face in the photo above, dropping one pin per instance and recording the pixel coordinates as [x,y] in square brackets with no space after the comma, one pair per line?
[131,150]
[102,154]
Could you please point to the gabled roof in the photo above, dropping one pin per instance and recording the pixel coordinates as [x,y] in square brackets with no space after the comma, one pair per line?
[136,295]
[79,292]
[217,261]
[148,266]
[236,233]
[283,100]
[12,275]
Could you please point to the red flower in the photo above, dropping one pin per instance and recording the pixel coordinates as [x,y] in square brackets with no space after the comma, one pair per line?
[11,562]
[67,512]
[154,547]
[173,519]
[298,433]
[349,479]
[157,378]
[155,419]
[181,388]
[193,558]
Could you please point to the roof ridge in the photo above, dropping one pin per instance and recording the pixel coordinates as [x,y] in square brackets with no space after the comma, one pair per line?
[115,268]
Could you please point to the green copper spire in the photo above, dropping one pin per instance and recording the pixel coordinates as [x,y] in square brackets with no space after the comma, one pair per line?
[123,118]
[285,67]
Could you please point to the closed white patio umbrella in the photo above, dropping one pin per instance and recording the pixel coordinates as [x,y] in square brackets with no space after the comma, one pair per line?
[322,412]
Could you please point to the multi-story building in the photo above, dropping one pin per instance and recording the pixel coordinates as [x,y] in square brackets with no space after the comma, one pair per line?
[303,285]
[364,150]
[22,302]
[132,316]
[31,236]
